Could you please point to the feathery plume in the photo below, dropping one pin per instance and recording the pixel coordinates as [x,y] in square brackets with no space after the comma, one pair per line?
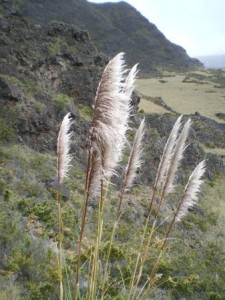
[129,82]
[63,147]
[164,166]
[110,115]
[177,155]
[110,118]
[167,153]
[134,161]
[191,191]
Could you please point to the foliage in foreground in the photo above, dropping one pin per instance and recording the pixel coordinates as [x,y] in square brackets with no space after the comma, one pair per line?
[196,248]
[29,234]
[107,141]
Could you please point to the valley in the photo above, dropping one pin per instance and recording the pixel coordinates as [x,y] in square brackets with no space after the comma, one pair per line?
[200,92]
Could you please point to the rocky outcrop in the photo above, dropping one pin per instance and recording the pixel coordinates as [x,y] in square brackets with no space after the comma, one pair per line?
[46,71]
[220,116]
[208,131]
[9,90]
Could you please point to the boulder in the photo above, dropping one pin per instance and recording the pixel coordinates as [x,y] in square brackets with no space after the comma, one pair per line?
[9,90]
[220,116]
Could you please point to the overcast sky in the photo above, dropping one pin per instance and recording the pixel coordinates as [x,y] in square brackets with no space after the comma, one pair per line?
[196,25]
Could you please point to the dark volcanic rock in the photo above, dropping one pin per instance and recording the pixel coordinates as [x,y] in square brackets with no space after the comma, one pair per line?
[11,8]
[214,166]
[221,116]
[62,29]
[46,71]
[209,131]
[9,90]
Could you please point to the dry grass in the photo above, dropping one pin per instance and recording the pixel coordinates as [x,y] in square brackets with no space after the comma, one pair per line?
[150,107]
[184,97]
[217,151]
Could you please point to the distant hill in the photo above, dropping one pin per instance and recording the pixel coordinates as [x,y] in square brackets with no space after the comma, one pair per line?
[213,61]
[115,27]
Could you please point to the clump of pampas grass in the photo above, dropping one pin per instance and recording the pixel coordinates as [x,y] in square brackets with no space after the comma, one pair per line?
[107,141]
[164,185]
[112,108]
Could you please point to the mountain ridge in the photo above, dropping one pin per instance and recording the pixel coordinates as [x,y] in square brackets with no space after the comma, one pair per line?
[116,27]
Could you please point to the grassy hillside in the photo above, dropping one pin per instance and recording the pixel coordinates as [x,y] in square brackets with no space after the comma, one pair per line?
[202,92]
[192,266]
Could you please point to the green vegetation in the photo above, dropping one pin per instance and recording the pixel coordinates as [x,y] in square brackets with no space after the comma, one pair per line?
[28,233]
[212,149]
[24,256]
[185,93]
[6,131]
[27,85]
[57,46]
[85,111]
[61,101]
[20,2]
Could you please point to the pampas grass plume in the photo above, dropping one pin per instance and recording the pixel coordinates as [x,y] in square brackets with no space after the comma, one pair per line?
[63,147]
[168,153]
[177,155]
[191,191]
[130,80]
[110,120]
[134,161]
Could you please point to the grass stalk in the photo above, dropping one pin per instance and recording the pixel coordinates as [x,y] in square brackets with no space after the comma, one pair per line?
[79,244]
[141,258]
[172,154]
[188,198]
[68,291]
[106,271]
[120,203]
[60,238]
[95,264]
[143,248]
[83,221]
[151,202]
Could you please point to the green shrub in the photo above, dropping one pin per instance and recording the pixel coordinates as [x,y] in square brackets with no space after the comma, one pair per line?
[61,101]
[7,133]
[85,111]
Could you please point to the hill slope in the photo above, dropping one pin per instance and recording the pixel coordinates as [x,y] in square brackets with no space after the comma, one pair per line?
[115,27]
[45,72]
